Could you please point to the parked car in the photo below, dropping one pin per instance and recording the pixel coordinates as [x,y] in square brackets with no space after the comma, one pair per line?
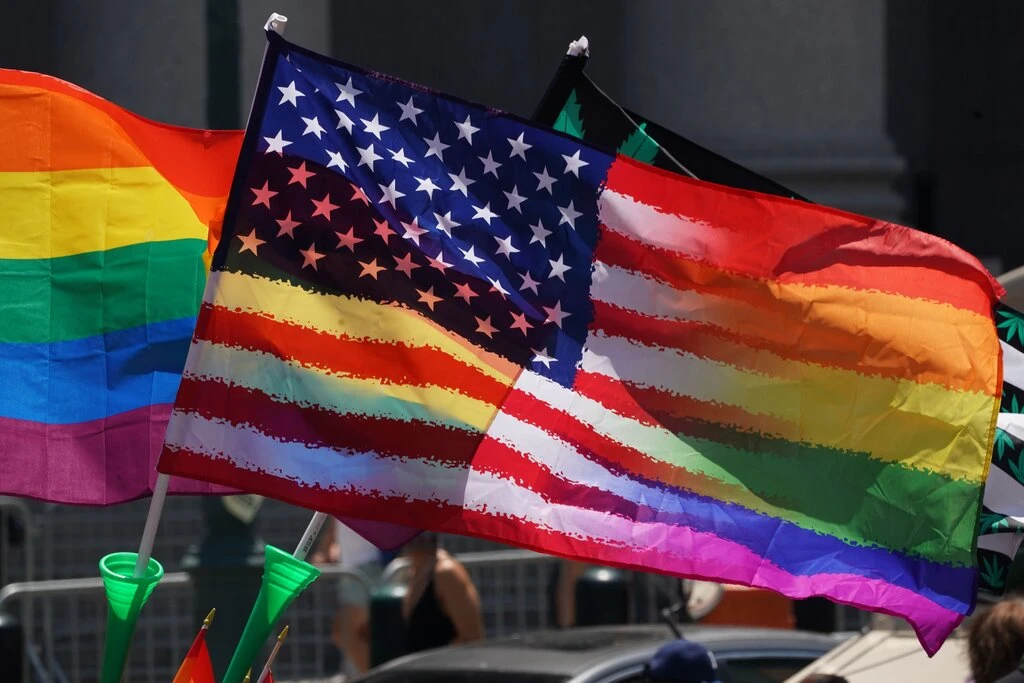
[611,654]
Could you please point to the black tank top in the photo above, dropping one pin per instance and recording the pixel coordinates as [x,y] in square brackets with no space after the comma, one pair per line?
[429,626]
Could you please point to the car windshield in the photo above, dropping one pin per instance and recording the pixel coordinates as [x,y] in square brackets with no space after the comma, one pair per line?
[449,676]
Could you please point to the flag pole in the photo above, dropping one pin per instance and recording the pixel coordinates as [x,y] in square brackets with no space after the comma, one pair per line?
[129,578]
[273,656]
[284,578]
[312,531]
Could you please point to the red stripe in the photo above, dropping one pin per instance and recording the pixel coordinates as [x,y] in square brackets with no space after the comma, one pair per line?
[444,517]
[430,515]
[740,350]
[614,456]
[782,327]
[391,363]
[318,427]
[676,413]
[792,241]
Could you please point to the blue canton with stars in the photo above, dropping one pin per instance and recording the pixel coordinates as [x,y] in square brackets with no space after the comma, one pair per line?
[367,186]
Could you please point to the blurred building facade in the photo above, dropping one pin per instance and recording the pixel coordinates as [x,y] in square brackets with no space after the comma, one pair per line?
[907,110]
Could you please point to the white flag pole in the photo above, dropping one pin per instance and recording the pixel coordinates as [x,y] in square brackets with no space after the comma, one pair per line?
[312,531]
[277,23]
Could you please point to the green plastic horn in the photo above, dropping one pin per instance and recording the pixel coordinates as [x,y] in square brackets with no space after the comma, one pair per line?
[284,577]
[126,595]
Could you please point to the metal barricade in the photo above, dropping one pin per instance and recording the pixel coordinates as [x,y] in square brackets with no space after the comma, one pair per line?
[75,651]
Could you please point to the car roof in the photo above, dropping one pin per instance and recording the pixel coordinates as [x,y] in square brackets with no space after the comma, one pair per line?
[571,652]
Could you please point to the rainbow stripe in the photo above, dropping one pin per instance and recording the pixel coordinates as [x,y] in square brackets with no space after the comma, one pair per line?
[103,257]
[763,391]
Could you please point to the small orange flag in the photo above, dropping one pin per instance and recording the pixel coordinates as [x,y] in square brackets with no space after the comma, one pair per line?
[197,667]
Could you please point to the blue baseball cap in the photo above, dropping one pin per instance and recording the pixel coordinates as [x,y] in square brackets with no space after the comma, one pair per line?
[683,661]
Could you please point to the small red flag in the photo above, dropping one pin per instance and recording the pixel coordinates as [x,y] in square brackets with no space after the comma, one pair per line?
[197,667]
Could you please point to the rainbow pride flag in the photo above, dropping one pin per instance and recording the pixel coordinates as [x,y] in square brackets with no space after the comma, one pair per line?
[104,250]
[426,311]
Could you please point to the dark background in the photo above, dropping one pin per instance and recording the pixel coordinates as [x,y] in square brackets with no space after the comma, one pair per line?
[908,110]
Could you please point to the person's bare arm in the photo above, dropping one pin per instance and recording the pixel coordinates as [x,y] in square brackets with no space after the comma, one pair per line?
[327,548]
[565,595]
[459,600]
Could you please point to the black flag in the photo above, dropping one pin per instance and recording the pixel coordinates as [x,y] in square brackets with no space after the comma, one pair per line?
[574,105]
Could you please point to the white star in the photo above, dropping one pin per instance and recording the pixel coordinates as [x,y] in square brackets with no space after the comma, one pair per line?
[374,127]
[276,144]
[313,126]
[573,163]
[250,242]
[484,326]
[569,215]
[428,297]
[310,256]
[470,255]
[436,147]
[400,157]
[539,233]
[324,207]
[300,174]
[287,225]
[336,160]
[413,232]
[427,185]
[556,315]
[290,94]
[391,195]
[541,356]
[460,182]
[367,156]
[558,269]
[520,323]
[438,263]
[484,212]
[343,121]
[490,165]
[505,247]
[518,147]
[466,130]
[529,283]
[544,181]
[263,194]
[514,198]
[348,93]
[445,223]
[409,111]
[498,287]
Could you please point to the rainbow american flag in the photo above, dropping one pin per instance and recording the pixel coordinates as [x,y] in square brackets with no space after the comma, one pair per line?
[430,313]
[103,260]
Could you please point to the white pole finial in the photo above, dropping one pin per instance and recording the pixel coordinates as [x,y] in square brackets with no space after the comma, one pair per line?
[276,23]
[579,47]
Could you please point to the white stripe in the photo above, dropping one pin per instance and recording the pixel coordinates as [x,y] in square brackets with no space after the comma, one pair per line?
[657,443]
[565,461]
[373,475]
[1003,493]
[1006,544]
[687,236]
[317,387]
[645,295]
[1012,423]
[1013,365]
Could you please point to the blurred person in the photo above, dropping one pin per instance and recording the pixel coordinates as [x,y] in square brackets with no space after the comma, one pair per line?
[562,592]
[441,605]
[995,642]
[682,661]
[350,632]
